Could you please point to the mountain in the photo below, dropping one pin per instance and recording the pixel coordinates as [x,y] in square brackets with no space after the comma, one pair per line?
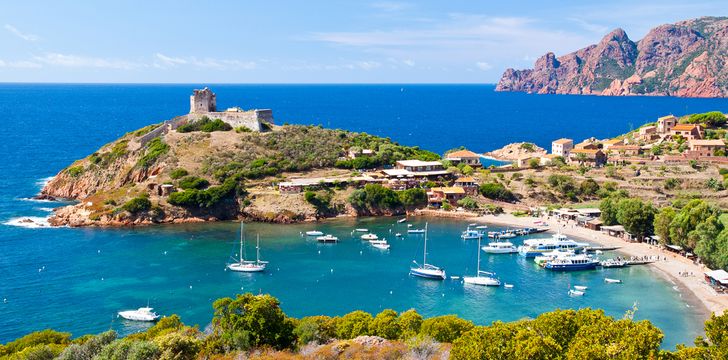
[684,59]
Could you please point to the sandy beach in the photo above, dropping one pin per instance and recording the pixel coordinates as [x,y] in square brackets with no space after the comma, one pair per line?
[670,264]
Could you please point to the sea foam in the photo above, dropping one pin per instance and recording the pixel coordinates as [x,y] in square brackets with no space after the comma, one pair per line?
[30,222]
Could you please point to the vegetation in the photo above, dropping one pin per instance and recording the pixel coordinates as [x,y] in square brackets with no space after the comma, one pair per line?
[321,199]
[208,197]
[256,325]
[178,173]
[497,191]
[75,171]
[193,182]
[374,198]
[204,124]
[154,149]
[711,119]
[137,204]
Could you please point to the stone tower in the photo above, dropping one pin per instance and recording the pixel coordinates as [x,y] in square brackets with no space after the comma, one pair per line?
[202,101]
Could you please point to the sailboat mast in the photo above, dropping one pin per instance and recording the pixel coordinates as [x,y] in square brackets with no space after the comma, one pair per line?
[478,273]
[424,255]
[241,242]
[257,248]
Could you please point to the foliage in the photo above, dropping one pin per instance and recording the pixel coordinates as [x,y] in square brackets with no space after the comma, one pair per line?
[709,119]
[75,171]
[413,198]
[527,146]
[563,184]
[386,325]
[661,226]
[445,328]
[178,173]
[588,187]
[89,349]
[711,240]
[154,149]
[353,324]
[43,337]
[204,124]
[468,203]
[534,163]
[193,182]
[497,191]
[687,219]
[206,198]
[410,323]
[321,199]
[636,216]
[375,197]
[671,183]
[315,328]
[137,204]
[178,346]
[609,207]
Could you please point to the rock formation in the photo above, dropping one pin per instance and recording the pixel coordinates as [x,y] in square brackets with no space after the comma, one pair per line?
[684,59]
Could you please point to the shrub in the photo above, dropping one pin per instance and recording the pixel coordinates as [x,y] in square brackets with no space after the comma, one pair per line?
[154,149]
[468,203]
[204,124]
[178,173]
[671,183]
[445,328]
[193,182]
[43,337]
[497,191]
[177,346]
[412,198]
[375,197]
[410,322]
[710,119]
[75,171]
[386,325]
[137,204]
[242,129]
[90,348]
[205,198]
[251,321]
[321,200]
[353,324]
[315,328]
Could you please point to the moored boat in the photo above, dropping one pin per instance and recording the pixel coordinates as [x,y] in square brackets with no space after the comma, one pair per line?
[243,265]
[487,278]
[416,231]
[361,230]
[572,263]
[380,244]
[612,263]
[576,293]
[140,314]
[426,270]
[327,238]
[369,236]
[500,247]
[314,233]
[612,281]
[536,247]
[580,288]
[470,234]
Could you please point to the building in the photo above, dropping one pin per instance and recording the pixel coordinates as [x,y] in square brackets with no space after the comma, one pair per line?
[613,142]
[666,123]
[706,147]
[589,144]
[561,147]
[548,159]
[647,133]
[465,157]
[467,183]
[688,131]
[525,161]
[203,102]
[591,157]
[437,195]
[416,168]
[625,150]
[353,154]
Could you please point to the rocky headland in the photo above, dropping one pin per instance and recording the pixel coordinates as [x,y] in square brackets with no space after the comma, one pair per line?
[685,59]
[515,151]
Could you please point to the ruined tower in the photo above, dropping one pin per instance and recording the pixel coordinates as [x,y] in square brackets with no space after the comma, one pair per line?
[202,101]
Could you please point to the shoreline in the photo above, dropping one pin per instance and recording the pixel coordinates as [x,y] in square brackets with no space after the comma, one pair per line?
[695,289]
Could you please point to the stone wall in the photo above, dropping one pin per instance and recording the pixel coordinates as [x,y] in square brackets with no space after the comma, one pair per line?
[252,119]
[161,130]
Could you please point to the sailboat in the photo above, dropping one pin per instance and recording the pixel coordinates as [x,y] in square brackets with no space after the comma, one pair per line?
[488,278]
[426,270]
[248,265]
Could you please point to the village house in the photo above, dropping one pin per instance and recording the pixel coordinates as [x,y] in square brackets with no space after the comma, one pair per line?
[648,133]
[706,147]
[589,144]
[437,195]
[590,157]
[355,153]
[524,161]
[561,147]
[468,184]
[613,142]
[416,168]
[666,123]
[547,159]
[625,150]
[688,131]
[466,157]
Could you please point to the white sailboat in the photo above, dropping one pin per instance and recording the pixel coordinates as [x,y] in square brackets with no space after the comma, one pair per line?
[488,278]
[426,270]
[248,265]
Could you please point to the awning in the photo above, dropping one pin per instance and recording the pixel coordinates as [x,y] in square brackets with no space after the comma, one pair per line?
[720,276]
[675,247]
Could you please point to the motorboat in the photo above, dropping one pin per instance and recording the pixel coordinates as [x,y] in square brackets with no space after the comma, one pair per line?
[505,234]
[576,293]
[327,238]
[426,270]
[401,220]
[536,247]
[380,244]
[243,265]
[416,231]
[470,234]
[361,230]
[482,278]
[314,233]
[500,247]
[541,260]
[612,263]
[580,288]
[140,314]
[508,286]
[369,236]
[481,227]
[612,281]
[398,235]
[572,263]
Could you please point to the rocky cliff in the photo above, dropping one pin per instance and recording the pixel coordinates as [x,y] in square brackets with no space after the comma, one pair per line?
[684,59]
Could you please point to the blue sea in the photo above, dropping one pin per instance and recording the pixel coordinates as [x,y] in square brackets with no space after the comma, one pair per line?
[76,279]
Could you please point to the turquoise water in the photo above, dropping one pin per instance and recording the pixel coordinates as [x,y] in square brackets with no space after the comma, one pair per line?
[86,275]
[181,269]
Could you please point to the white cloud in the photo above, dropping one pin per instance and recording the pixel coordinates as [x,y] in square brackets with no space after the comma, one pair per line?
[589,26]
[164,61]
[391,6]
[18,33]
[482,65]
[167,61]
[21,64]
[408,62]
[67,60]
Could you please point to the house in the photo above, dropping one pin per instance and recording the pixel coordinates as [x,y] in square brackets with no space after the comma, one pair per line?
[647,133]
[688,131]
[592,157]
[666,123]
[617,231]
[437,195]
[625,150]
[416,168]
[466,157]
[594,224]
[467,183]
[353,154]
[613,142]
[561,147]
[587,144]
[548,159]
[524,161]
[706,147]
[717,278]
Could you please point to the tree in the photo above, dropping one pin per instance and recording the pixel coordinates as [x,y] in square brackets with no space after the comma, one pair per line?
[609,207]
[468,203]
[251,321]
[588,187]
[413,198]
[467,170]
[445,328]
[315,328]
[636,216]
[497,191]
[663,219]
[534,163]
[410,322]
[492,342]
[137,204]
[386,325]
[353,324]
[688,218]
[711,240]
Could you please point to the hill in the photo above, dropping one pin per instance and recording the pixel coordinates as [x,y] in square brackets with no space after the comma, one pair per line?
[684,59]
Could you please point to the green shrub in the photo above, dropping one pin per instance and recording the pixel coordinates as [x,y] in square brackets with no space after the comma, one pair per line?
[410,322]
[353,324]
[204,124]
[242,129]
[75,171]
[413,198]
[315,328]
[43,337]
[178,173]
[154,149]
[206,198]
[375,197]
[468,203]
[386,325]
[193,182]
[445,328]
[497,191]
[137,204]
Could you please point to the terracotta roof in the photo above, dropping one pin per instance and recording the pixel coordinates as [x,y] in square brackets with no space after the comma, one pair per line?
[584,151]
[614,141]
[715,142]
[625,147]
[563,141]
[461,154]
[550,156]
[465,179]
[449,190]
[684,127]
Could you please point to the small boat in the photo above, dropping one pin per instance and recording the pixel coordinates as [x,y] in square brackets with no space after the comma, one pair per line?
[380,244]
[500,247]
[472,225]
[361,230]
[572,263]
[314,233]
[401,220]
[454,277]
[612,281]
[488,278]
[481,227]
[398,235]
[409,225]
[469,234]
[416,231]
[369,236]
[576,293]
[327,238]
[508,286]
[426,270]
[612,263]
[580,288]
[247,265]
[140,314]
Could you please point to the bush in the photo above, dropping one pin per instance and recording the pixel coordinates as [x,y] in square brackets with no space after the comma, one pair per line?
[193,182]
[353,324]
[321,199]
[413,198]
[44,337]
[445,328]
[709,119]
[251,321]
[468,203]
[204,124]
[410,323]
[375,197]
[154,149]
[497,191]
[178,173]
[386,325]
[315,328]
[137,204]
[75,171]
[205,198]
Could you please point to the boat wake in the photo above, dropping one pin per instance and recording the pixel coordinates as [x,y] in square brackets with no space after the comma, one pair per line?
[29,222]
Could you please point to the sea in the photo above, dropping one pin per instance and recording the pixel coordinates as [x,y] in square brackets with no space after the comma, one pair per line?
[76,280]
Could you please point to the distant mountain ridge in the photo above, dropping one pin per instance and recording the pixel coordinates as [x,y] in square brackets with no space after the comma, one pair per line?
[685,59]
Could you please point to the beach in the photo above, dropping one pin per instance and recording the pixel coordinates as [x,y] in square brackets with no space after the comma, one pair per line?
[670,265]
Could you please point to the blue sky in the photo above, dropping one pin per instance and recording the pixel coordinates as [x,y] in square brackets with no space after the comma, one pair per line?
[453,41]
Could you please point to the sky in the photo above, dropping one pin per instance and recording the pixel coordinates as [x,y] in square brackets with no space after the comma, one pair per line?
[444,41]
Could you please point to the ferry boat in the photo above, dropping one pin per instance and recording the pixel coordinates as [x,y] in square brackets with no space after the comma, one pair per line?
[572,263]
[140,314]
[536,247]
[541,260]
[500,247]
[327,238]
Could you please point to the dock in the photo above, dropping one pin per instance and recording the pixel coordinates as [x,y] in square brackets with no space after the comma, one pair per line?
[600,248]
